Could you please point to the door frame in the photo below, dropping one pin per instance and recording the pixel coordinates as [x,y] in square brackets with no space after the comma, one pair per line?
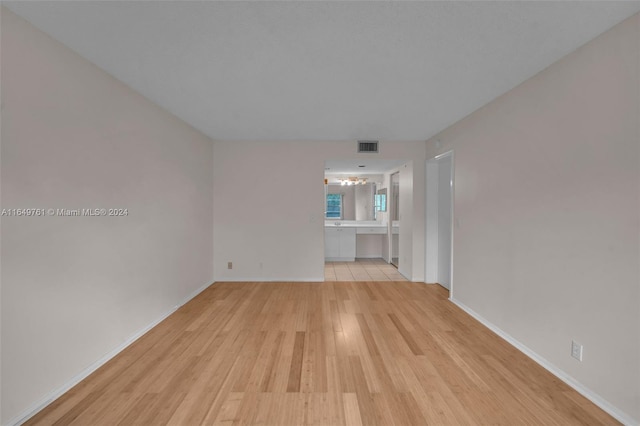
[431,219]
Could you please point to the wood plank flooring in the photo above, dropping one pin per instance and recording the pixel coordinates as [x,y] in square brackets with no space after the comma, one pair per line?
[332,353]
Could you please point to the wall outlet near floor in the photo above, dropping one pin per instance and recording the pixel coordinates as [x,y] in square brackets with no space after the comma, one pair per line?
[229,265]
[576,350]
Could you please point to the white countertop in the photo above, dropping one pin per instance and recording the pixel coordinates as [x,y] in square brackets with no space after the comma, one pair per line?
[354,224]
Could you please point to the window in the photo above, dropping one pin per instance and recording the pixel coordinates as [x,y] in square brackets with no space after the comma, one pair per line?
[380,202]
[334,206]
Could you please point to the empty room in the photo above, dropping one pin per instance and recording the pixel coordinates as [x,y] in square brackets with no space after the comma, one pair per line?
[319,213]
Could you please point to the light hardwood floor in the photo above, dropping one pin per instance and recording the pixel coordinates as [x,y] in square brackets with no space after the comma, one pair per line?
[332,353]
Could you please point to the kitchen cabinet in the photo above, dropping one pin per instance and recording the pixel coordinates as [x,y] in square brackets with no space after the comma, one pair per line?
[340,244]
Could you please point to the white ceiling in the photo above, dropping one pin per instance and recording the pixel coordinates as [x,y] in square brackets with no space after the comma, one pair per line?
[371,166]
[322,70]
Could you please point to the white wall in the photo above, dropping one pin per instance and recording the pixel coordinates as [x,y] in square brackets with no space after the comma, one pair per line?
[369,245]
[412,220]
[405,216]
[444,221]
[431,224]
[76,288]
[287,237]
[547,199]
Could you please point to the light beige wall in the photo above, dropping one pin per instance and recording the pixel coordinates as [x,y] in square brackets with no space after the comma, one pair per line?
[284,240]
[412,218]
[547,187]
[76,288]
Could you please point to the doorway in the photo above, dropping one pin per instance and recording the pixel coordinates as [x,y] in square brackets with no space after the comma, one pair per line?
[439,220]
[358,215]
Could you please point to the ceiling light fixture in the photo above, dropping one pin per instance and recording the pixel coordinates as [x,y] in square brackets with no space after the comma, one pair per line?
[352,180]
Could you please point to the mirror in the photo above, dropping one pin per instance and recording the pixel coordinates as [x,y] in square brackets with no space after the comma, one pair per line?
[395,196]
[380,200]
[358,189]
[395,219]
[350,202]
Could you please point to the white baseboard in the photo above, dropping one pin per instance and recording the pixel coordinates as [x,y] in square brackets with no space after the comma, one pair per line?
[53,395]
[270,280]
[616,413]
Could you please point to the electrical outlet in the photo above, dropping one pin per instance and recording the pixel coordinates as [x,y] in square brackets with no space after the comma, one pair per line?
[576,350]
[229,265]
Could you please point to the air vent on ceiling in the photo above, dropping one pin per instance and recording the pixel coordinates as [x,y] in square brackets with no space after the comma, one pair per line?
[368,146]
